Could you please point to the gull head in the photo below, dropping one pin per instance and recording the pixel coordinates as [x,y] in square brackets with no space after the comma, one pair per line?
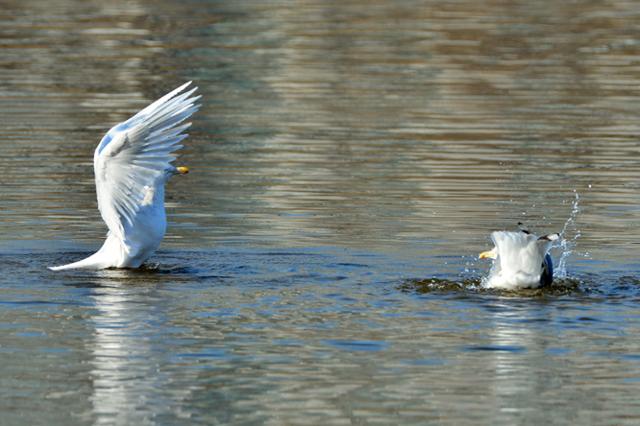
[171,171]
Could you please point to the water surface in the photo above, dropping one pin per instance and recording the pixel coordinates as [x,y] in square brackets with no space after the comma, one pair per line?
[349,162]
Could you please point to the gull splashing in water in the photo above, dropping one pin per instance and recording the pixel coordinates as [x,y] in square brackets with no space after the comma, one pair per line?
[132,163]
[520,260]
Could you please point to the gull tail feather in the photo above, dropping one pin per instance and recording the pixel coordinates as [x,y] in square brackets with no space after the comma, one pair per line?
[88,263]
[96,261]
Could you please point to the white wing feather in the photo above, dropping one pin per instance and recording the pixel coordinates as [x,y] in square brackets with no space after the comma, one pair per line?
[134,155]
[519,260]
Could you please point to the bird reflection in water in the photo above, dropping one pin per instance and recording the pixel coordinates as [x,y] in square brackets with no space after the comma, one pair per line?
[127,357]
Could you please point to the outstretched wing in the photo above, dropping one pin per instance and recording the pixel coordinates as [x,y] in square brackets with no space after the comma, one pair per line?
[134,155]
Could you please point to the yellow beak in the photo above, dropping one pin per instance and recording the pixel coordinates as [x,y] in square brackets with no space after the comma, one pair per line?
[491,254]
[183,170]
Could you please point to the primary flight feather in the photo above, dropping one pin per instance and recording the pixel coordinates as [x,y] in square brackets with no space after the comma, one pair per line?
[132,163]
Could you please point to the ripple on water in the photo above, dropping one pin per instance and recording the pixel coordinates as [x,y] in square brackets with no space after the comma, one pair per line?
[562,287]
[358,345]
[341,147]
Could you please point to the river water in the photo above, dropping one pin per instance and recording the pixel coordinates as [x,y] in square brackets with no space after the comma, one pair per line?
[348,164]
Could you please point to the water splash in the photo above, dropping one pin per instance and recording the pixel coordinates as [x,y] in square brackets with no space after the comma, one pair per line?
[567,245]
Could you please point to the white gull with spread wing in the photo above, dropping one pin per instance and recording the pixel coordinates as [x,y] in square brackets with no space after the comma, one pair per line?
[132,163]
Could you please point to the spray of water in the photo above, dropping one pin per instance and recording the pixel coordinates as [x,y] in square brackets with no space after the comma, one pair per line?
[568,245]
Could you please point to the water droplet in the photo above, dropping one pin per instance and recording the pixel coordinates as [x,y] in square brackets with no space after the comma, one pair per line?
[568,245]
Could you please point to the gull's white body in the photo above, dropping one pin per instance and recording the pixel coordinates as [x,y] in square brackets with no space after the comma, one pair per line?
[518,259]
[132,163]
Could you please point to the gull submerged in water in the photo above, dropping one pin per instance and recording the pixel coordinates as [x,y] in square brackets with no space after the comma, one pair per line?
[132,163]
[520,260]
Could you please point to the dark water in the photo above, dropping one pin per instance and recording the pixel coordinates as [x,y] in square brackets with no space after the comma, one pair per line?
[348,164]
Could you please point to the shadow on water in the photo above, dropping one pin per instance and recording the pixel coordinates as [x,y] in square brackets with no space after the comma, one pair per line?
[284,268]
[561,287]
[177,267]
[607,286]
